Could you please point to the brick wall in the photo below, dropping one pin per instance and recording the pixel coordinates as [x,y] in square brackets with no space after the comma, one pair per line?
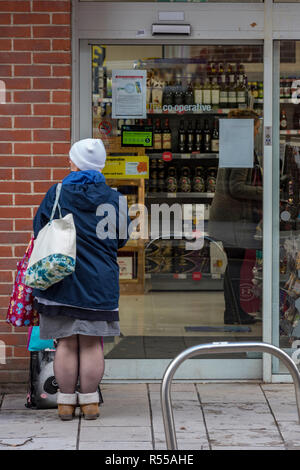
[35,66]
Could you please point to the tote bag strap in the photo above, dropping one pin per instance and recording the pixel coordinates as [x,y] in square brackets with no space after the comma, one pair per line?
[58,190]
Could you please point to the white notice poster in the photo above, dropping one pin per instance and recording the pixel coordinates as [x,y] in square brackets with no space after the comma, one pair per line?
[129,94]
[236,145]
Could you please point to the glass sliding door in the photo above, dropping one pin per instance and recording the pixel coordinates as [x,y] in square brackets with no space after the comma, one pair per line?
[286,322]
[196,183]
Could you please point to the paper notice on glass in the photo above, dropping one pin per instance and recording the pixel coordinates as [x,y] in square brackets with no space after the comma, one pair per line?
[129,94]
[236,143]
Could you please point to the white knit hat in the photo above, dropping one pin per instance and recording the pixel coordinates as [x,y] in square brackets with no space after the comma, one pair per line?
[88,154]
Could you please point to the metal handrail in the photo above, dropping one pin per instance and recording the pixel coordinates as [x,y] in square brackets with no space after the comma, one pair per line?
[215,348]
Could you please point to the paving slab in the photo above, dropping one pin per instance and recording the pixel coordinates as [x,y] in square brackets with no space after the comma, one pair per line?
[238,416]
[123,411]
[230,393]
[175,387]
[290,432]
[118,445]
[38,443]
[200,444]
[35,423]
[188,416]
[245,438]
[14,402]
[115,433]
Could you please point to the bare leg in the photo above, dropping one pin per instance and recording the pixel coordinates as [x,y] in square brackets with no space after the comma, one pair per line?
[66,364]
[91,363]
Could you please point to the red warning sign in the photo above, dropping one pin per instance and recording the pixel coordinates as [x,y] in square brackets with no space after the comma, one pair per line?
[105,127]
[197,276]
[167,156]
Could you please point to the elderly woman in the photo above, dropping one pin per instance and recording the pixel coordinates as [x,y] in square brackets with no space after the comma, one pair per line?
[82,308]
[235,213]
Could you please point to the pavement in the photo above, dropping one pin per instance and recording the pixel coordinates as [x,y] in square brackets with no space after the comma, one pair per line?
[208,416]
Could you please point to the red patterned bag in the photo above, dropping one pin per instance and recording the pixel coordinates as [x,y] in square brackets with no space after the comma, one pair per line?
[20,311]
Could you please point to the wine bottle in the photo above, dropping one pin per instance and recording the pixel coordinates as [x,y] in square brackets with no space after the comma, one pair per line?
[215,138]
[198,137]
[189,92]
[178,95]
[171,180]
[198,92]
[241,92]
[215,92]
[190,137]
[181,137]
[207,91]
[223,92]
[166,136]
[157,136]
[185,180]
[283,120]
[232,91]
[206,137]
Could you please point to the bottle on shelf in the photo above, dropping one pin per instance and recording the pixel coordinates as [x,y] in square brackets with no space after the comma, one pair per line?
[223,92]
[287,89]
[255,90]
[157,92]
[178,94]
[198,91]
[282,85]
[215,92]
[232,101]
[190,137]
[260,90]
[296,118]
[149,123]
[157,136]
[185,180]
[189,92]
[199,180]
[207,91]
[198,137]
[168,94]
[160,175]
[171,180]
[166,136]
[211,180]
[153,183]
[181,137]
[215,137]
[206,137]
[241,97]
[220,70]
[283,120]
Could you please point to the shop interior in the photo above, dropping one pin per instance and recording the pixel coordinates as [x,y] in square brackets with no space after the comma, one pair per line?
[173,297]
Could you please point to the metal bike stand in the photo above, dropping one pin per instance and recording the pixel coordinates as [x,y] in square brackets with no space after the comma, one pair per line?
[216,348]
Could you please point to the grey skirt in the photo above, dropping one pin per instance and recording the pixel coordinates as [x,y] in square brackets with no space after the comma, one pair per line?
[61,327]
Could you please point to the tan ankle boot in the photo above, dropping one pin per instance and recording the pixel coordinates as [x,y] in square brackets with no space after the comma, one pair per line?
[89,405]
[66,404]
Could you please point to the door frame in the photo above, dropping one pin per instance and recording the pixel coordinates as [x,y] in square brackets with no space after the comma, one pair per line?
[98,22]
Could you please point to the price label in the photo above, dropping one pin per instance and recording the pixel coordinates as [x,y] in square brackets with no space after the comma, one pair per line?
[167,156]
[197,276]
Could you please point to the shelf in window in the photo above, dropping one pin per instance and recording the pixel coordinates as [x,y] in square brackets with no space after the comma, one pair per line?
[179,195]
[185,156]
[290,132]
[182,276]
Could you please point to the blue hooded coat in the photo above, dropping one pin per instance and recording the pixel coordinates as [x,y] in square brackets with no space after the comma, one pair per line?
[94,284]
